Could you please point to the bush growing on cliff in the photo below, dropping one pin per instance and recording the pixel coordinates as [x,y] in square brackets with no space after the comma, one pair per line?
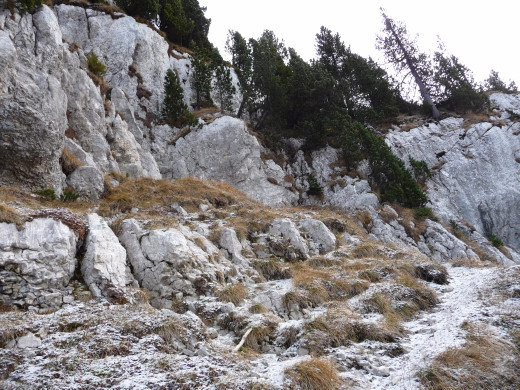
[24,5]
[95,65]
[388,171]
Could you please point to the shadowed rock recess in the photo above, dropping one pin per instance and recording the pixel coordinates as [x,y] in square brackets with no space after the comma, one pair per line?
[139,255]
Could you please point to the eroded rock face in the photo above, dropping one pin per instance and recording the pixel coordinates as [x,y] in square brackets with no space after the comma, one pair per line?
[444,246]
[475,171]
[172,263]
[36,263]
[222,150]
[104,265]
[32,103]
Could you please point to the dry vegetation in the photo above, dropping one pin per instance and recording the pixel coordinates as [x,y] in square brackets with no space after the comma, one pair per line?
[484,362]
[340,327]
[314,374]
[149,194]
[234,293]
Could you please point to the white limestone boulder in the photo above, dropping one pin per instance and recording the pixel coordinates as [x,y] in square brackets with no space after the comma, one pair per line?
[104,265]
[320,235]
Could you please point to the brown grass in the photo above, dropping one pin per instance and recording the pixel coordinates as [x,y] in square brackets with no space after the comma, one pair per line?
[234,293]
[314,374]
[69,162]
[339,327]
[10,215]
[484,362]
[326,284]
[272,269]
[147,194]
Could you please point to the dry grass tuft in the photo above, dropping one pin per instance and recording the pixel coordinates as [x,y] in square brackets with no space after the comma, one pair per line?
[484,362]
[340,327]
[147,194]
[234,293]
[272,269]
[10,215]
[69,162]
[326,284]
[366,250]
[314,374]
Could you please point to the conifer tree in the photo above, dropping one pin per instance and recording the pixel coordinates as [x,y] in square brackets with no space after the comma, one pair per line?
[174,107]
[225,88]
[402,52]
[202,73]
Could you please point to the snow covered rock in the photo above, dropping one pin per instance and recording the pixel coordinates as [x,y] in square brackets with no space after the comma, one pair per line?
[104,265]
[36,263]
[28,341]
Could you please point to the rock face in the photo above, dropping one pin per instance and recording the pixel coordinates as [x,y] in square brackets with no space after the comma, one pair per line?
[172,263]
[33,104]
[104,265]
[476,171]
[222,150]
[444,245]
[36,263]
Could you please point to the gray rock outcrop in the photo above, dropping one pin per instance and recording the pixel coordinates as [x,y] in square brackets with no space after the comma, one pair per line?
[172,263]
[36,263]
[476,171]
[104,264]
[223,150]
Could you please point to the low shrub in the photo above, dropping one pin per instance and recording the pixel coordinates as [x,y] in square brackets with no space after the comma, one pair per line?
[95,65]
[495,241]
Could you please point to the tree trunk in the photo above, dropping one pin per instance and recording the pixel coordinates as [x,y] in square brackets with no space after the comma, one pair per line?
[422,88]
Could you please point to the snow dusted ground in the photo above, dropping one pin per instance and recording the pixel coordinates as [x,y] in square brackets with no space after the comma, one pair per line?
[470,297]
[91,345]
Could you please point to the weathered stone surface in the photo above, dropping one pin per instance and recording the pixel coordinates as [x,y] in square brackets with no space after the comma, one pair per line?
[229,241]
[32,102]
[104,265]
[36,263]
[222,150]
[475,173]
[338,189]
[172,263]
[320,236]
[445,246]
[285,240]
[87,181]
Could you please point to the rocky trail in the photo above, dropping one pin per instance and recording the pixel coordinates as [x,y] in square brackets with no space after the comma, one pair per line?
[465,299]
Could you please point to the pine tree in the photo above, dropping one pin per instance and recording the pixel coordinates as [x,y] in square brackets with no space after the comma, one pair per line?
[202,73]
[225,88]
[175,23]
[174,108]
[402,52]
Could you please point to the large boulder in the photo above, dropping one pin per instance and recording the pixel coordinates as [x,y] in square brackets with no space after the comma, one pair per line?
[104,264]
[36,263]
[172,263]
